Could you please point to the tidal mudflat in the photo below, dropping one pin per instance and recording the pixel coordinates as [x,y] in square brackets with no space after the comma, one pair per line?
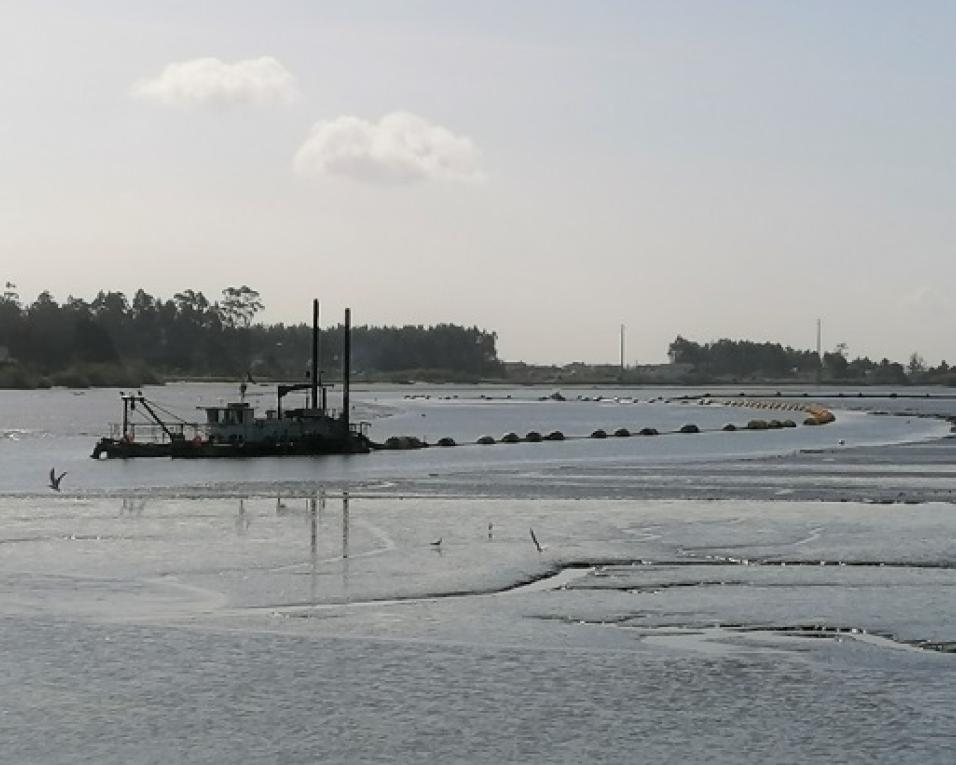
[297,629]
[790,605]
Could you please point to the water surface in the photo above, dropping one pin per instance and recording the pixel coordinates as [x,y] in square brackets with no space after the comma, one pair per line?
[720,598]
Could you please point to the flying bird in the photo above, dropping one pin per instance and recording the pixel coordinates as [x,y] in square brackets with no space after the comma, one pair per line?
[535,540]
[55,479]
[436,543]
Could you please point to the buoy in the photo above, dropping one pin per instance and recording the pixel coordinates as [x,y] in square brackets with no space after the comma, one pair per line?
[404,442]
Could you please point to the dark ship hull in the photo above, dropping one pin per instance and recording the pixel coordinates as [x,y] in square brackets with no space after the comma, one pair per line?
[354,444]
[113,448]
[119,448]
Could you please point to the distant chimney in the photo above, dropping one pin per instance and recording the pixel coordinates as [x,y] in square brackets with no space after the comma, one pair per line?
[346,365]
[315,354]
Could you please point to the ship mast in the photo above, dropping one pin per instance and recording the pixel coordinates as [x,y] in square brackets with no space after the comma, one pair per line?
[346,366]
[315,353]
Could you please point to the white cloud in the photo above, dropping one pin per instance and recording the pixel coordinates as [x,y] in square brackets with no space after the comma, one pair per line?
[399,148]
[920,298]
[205,81]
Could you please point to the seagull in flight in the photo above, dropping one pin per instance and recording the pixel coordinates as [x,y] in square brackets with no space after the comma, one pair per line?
[55,479]
[436,543]
[535,540]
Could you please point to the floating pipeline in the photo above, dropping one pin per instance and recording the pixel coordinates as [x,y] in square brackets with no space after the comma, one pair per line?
[816,415]
[404,443]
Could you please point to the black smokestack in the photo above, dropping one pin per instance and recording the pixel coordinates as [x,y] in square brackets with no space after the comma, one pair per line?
[315,354]
[346,365]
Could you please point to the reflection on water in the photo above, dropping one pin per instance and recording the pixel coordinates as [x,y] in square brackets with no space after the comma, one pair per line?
[230,623]
[313,545]
[242,522]
[133,506]
[345,524]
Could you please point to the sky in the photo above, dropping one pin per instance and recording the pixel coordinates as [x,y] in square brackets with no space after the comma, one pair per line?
[545,169]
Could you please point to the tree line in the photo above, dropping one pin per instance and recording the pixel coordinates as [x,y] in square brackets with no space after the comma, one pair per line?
[189,335]
[744,359]
[116,340]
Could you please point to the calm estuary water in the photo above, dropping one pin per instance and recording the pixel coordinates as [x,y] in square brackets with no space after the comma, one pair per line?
[723,597]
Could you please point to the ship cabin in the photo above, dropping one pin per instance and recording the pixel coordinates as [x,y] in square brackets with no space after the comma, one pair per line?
[230,423]
[236,423]
[230,414]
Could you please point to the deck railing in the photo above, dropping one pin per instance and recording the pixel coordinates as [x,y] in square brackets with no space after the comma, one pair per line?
[150,433]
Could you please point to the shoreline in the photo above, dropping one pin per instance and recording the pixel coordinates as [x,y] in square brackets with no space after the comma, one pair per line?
[15,377]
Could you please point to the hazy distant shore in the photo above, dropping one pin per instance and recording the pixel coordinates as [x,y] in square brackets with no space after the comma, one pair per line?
[14,376]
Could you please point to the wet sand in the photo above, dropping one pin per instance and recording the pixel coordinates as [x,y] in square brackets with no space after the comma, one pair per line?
[782,607]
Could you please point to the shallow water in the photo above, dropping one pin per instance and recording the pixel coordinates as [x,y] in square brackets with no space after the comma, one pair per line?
[210,631]
[57,428]
[694,600]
